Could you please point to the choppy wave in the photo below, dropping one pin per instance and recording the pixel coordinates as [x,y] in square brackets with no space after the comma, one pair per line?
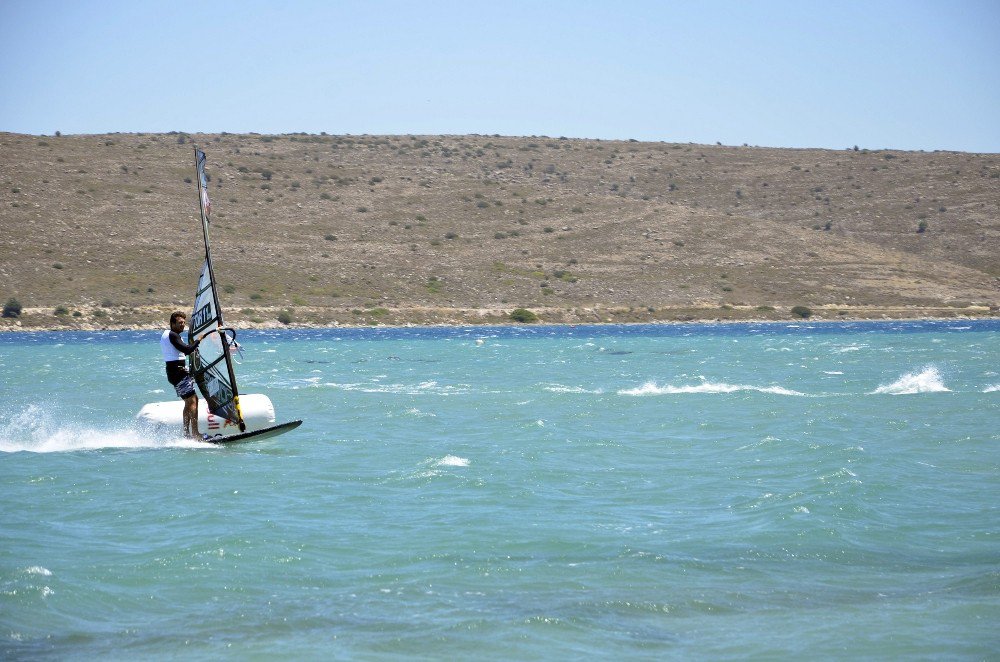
[927,380]
[559,388]
[427,387]
[452,461]
[652,388]
[432,467]
[38,570]
[37,429]
[992,388]
[413,411]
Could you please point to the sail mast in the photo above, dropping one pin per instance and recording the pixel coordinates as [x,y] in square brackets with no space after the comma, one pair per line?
[205,207]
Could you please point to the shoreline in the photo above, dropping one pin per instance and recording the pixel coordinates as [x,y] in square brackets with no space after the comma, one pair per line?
[149,320]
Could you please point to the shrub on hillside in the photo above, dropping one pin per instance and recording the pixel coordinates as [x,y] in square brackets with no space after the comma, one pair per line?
[801,311]
[12,308]
[523,315]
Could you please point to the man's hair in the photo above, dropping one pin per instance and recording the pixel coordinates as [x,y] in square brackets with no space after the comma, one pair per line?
[175,316]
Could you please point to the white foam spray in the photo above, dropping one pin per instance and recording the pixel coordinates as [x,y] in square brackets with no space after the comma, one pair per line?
[452,461]
[652,388]
[434,467]
[37,429]
[928,380]
[559,388]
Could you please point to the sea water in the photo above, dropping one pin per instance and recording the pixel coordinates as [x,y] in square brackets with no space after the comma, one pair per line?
[729,491]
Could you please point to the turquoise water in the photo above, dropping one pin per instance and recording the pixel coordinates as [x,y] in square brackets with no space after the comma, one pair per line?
[650,492]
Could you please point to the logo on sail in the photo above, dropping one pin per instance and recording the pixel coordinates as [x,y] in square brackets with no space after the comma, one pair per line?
[202,316]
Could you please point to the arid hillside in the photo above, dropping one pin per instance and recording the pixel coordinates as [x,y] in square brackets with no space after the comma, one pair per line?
[102,230]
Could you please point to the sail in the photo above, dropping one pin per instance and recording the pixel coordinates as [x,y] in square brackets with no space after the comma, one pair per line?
[212,363]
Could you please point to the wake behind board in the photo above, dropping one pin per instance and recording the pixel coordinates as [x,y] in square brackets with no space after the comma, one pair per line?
[255,435]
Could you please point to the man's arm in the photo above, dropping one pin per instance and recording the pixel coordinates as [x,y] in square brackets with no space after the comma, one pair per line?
[175,340]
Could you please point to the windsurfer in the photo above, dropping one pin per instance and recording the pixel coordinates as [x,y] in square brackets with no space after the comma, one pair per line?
[174,350]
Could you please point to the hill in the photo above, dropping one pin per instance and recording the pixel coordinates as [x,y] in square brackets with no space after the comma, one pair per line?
[102,230]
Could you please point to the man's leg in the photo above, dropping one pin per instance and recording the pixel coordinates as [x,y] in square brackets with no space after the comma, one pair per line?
[187,417]
[191,416]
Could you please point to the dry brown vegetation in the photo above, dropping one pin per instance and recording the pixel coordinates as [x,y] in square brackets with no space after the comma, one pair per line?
[438,229]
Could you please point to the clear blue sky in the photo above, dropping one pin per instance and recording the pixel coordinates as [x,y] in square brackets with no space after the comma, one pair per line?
[895,74]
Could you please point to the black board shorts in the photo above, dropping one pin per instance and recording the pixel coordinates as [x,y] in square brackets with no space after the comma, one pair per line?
[180,379]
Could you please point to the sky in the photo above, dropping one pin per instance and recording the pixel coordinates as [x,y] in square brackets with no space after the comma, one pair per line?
[910,75]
